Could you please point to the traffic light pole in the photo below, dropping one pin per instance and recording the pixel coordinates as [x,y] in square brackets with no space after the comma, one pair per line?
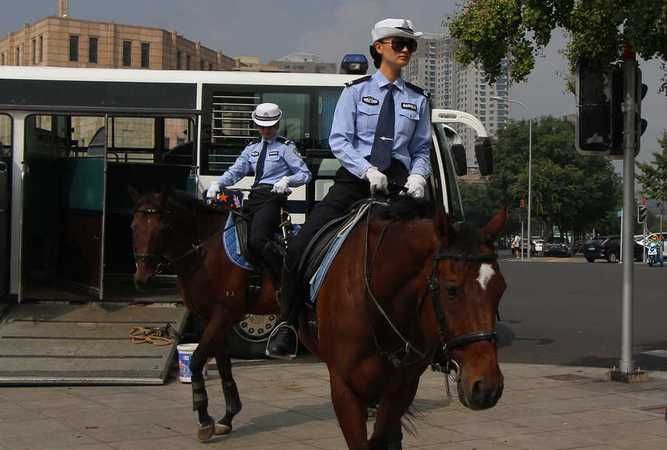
[629,142]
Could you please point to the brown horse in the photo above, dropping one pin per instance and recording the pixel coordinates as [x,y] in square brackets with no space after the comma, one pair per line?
[405,292]
[176,229]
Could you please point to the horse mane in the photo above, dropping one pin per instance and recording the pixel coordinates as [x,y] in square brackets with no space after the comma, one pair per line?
[405,209]
[180,199]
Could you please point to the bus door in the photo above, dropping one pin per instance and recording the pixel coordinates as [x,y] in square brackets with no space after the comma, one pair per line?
[5,199]
[63,207]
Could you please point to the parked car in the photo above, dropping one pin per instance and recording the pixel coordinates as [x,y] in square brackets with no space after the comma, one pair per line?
[538,247]
[557,246]
[609,248]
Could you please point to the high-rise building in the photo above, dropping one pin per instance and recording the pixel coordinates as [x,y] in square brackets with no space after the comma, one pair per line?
[303,63]
[66,42]
[454,86]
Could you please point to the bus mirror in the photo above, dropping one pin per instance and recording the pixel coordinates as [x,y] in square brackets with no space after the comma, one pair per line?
[484,155]
[460,160]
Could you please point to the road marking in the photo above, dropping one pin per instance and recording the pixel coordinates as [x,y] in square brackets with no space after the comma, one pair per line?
[657,353]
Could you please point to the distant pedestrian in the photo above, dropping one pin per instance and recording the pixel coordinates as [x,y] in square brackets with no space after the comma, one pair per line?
[516,246]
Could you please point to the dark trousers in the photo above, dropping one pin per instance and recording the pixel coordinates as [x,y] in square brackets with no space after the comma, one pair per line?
[346,191]
[263,206]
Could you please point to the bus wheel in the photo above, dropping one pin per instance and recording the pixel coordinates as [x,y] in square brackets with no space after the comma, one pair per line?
[248,337]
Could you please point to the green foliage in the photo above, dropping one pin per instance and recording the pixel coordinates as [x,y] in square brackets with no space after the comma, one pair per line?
[653,176]
[490,30]
[574,192]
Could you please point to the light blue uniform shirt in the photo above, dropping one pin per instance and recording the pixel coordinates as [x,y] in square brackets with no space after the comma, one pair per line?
[282,160]
[356,117]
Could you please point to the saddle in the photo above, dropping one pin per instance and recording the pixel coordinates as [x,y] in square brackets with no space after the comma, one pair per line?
[323,248]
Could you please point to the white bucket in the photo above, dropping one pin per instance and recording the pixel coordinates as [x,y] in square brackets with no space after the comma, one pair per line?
[185,352]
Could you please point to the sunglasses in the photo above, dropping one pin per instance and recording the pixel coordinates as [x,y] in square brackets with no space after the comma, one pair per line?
[398,44]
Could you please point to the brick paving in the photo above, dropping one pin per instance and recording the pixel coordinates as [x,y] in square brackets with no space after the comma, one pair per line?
[287,407]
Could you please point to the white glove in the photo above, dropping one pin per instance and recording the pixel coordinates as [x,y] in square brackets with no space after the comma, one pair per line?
[377,180]
[282,186]
[416,185]
[213,190]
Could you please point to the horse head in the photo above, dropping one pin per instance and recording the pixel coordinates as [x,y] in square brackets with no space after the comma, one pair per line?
[466,286]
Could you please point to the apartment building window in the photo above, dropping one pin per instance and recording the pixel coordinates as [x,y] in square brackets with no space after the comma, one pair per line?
[34,51]
[92,50]
[187,62]
[210,66]
[145,54]
[41,49]
[127,53]
[74,48]
[18,56]
[179,66]
[201,64]
[2,59]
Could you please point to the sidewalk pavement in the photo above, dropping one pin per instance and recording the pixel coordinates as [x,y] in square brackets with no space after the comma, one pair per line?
[287,407]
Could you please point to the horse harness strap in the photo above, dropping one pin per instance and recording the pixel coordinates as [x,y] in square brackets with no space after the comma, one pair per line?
[446,363]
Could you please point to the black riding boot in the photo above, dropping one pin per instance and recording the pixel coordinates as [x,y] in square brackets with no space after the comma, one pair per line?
[273,260]
[283,341]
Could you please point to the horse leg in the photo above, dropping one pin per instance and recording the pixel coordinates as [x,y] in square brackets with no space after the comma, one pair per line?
[387,433]
[351,413]
[232,400]
[213,334]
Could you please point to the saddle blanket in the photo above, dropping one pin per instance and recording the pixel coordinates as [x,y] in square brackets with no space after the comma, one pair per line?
[315,282]
[230,241]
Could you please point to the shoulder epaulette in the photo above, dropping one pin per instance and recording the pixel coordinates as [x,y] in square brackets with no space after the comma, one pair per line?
[254,141]
[418,90]
[358,80]
[283,140]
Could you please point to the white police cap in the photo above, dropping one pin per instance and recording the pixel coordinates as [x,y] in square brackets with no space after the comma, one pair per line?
[394,28]
[266,114]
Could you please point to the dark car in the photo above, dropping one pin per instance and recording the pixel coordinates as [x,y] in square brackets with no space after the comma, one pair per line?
[609,248]
[556,246]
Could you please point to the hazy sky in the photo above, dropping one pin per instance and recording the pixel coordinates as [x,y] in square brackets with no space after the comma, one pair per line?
[331,28]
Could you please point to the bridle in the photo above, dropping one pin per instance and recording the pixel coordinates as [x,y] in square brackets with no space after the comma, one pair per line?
[442,360]
[159,259]
[445,362]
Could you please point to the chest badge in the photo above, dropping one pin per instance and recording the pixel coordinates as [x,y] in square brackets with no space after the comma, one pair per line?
[255,153]
[410,106]
[370,100]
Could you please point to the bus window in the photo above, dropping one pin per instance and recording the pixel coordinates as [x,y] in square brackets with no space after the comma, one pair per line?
[133,132]
[5,136]
[178,142]
[295,124]
[326,105]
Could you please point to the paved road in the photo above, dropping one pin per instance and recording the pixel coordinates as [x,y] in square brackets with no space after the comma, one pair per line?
[570,313]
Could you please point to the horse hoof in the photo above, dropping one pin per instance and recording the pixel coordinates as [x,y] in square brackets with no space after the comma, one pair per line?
[205,432]
[221,428]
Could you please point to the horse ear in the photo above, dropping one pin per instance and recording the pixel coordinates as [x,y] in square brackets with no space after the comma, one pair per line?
[134,194]
[495,226]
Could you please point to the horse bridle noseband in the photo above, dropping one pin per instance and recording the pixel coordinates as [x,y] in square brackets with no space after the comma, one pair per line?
[445,362]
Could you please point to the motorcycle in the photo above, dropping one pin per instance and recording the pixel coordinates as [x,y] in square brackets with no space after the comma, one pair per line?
[654,255]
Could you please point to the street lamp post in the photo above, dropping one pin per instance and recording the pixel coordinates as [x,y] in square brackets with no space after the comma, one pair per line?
[530,159]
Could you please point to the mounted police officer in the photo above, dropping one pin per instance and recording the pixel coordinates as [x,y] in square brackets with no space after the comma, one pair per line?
[277,167]
[381,134]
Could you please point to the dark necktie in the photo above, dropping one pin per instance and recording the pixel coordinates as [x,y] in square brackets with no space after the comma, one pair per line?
[384,133]
[259,170]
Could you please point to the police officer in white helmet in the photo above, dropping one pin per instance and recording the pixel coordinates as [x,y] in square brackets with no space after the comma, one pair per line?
[381,134]
[277,167]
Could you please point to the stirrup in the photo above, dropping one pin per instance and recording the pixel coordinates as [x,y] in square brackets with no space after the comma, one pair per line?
[289,356]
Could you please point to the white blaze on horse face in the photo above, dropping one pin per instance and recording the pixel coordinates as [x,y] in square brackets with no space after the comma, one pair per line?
[486,272]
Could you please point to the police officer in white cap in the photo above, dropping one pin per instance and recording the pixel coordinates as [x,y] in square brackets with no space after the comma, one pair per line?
[381,134]
[277,167]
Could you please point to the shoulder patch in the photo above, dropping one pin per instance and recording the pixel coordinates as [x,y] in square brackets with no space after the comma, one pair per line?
[283,140]
[418,90]
[254,141]
[358,80]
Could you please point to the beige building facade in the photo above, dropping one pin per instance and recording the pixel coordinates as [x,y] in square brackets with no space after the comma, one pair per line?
[67,42]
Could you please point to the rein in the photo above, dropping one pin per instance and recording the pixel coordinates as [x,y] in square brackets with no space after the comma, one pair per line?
[161,260]
[400,358]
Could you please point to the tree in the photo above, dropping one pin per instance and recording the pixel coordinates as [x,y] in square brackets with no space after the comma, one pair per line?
[653,176]
[489,31]
[573,192]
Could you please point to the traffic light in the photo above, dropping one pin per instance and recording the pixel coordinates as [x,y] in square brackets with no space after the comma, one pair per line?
[600,110]
[594,103]
[617,120]
[642,212]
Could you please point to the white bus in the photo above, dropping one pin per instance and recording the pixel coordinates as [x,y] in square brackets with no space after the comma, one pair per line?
[73,140]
